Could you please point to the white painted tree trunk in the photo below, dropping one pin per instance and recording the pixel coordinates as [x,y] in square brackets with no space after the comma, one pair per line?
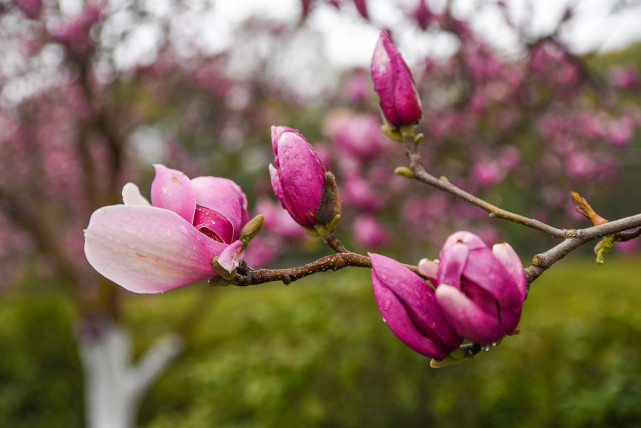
[114,386]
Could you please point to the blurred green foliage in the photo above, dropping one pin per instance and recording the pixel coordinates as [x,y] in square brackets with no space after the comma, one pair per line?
[317,353]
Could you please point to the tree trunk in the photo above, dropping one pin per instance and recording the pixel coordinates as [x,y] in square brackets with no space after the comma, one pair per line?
[114,386]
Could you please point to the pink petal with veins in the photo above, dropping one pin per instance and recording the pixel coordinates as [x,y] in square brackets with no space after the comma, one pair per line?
[148,249]
[171,189]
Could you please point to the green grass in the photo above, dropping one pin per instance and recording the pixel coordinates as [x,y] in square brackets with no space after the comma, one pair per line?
[317,354]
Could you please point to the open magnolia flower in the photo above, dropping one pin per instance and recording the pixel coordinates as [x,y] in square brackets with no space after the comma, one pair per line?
[150,248]
[480,290]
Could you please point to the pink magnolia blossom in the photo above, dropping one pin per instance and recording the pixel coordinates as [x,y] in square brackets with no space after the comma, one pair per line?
[150,248]
[369,232]
[409,308]
[624,78]
[488,172]
[422,14]
[357,86]
[361,7]
[31,8]
[358,192]
[278,221]
[621,131]
[394,84]
[358,135]
[298,176]
[480,291]
[580,165]
[76,32]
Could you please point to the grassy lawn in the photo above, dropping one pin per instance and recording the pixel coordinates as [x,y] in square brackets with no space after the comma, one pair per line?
[316,353]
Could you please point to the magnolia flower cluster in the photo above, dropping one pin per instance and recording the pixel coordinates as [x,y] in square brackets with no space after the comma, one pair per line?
[478,295]
[197,229]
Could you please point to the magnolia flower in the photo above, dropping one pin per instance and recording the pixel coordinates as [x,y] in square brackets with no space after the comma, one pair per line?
[410,310]
[394,84]
[299,178]
[150,248]
[480,290]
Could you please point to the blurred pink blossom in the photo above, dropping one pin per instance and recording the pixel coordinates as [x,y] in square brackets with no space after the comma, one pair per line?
[369,232]
[356,134]
[628,248]
[76,32]
[357,85]
[422,14]
[31,8]
[261,251]
[277,220]
[624,77]
[488,172]
[358,192]
[621,131]
[579,165]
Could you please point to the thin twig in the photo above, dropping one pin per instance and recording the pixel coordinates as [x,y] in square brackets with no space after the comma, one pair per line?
[334,243]
[541,262]
[420,174]
[248,276]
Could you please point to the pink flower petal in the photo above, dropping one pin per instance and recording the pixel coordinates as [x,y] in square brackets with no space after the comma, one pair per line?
[429,268]
[215,224]
[451,264]
[222,195]
[512,263]
[470,240]
[171,189]
[398,320]
[131,196]
[148,249]
[485,270]
[228,259]
[467,318]
[409,307]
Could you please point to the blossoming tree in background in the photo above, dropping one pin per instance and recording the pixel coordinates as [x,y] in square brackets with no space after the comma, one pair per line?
[78,127]
[476,294]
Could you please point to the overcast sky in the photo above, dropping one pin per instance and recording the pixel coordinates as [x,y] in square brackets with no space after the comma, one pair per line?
[351,39]
[344,39]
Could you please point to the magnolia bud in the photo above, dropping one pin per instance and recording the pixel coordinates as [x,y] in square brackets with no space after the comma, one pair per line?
[300,181]
[395,85]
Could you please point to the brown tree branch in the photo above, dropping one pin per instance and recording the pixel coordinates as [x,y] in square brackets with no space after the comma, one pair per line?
[420,174]
[248,276]
[541,262]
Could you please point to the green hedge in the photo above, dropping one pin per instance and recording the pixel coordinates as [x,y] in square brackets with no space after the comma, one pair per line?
[317,354]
